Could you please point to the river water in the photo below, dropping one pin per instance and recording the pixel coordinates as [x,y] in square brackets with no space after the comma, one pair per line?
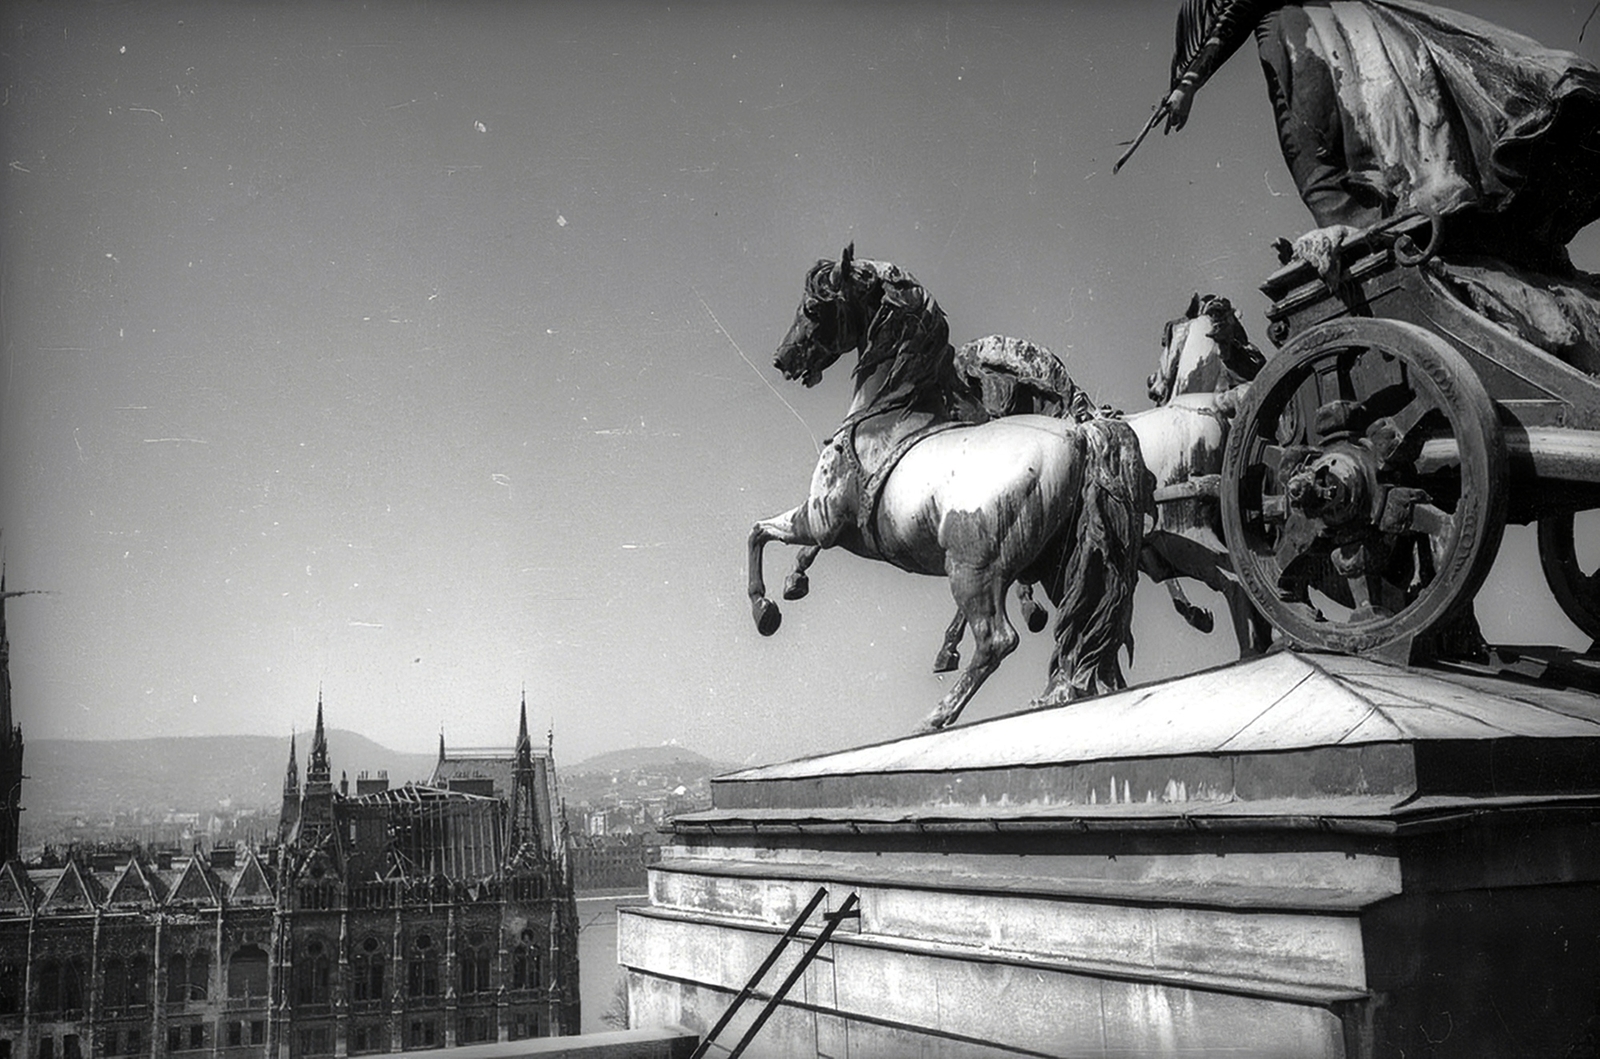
[597,956]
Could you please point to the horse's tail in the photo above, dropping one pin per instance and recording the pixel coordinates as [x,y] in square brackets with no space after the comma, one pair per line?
[1100,567]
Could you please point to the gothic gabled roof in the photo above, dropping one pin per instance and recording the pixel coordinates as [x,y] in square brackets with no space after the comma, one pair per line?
[196,886]
[499,769]
[73,891]
[250,884]
[137,886]
[18,894]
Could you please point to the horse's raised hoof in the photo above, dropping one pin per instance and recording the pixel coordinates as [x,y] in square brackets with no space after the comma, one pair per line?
[1036,616]
[946,660]
[1199,618]
[796,585]
[768,616]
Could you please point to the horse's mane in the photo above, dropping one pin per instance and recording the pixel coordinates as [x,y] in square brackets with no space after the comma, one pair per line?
[904,325]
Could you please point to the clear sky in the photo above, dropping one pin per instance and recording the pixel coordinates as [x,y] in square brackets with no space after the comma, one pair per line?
[421,352]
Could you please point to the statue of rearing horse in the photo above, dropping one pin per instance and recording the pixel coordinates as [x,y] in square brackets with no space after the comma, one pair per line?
[906,481]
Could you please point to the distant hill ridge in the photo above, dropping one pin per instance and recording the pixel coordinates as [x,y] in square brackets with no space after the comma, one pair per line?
[645,757]
[191,773]
[200,773]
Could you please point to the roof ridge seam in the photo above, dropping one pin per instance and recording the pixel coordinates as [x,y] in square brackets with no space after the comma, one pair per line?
[1223,746]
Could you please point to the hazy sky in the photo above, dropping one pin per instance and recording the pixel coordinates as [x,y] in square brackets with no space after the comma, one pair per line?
[422,351]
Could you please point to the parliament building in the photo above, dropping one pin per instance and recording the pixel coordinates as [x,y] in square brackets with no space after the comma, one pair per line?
[379,919]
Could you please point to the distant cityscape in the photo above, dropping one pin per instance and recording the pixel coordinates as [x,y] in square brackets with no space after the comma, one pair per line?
[154,901]
[617,804]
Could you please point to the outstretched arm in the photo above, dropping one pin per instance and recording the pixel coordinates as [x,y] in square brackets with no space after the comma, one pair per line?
[1208,33]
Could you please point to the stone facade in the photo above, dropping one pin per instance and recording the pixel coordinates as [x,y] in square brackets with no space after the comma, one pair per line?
[387,919]
[1302,855]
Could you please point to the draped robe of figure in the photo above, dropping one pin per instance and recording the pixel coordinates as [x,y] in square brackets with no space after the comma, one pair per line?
[1388,107]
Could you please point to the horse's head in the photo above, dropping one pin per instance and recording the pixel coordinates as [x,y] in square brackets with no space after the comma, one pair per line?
[826,325]
[1204,351]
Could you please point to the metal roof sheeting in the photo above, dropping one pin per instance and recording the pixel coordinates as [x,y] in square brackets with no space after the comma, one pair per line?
[1281,702]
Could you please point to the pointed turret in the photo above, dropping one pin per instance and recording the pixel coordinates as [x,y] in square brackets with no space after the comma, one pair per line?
[289,814]
[291,775]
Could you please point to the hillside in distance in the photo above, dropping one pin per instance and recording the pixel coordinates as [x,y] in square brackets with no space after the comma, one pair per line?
[640,758]
[190,773]
[624,776]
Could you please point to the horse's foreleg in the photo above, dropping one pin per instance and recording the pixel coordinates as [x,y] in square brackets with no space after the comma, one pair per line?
[787,528]
[982,603]
[797,584]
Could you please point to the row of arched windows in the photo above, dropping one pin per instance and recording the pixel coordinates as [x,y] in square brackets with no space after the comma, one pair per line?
[369,969]
[127,979]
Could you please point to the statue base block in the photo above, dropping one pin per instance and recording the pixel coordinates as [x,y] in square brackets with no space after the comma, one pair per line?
[1300,855]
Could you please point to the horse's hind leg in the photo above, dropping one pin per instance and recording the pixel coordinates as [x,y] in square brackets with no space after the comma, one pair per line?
[1033,615]
[1197,616]
[949,656]
[982,600]
[797,584]
[1250,627]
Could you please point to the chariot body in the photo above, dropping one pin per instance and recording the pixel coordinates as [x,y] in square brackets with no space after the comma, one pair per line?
[1372,469]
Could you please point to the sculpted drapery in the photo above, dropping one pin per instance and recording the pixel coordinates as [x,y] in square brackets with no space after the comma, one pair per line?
[1389,106]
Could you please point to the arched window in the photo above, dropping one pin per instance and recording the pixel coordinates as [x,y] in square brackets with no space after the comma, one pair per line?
[10,988]
[366,970]
[60,985]
[422,968]
[311,982]
[525,963]
[472,963]
[187,977]
[138,970]
[199,975]
[247,972]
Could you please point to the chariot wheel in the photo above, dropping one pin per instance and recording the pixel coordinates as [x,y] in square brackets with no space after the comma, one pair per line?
[1364,486]
[1577,592]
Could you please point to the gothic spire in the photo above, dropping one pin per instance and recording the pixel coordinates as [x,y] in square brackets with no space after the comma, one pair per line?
[10,740]
[317,768]
[291,775]
[5,667]
[524,744]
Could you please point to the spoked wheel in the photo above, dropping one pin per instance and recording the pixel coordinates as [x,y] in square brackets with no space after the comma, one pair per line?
[1364,488]
[1577,591]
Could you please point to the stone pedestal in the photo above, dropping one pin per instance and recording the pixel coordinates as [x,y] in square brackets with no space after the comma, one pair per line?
[1302,855]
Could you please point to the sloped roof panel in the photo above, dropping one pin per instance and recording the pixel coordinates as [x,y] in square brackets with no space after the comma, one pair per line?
[1286,701]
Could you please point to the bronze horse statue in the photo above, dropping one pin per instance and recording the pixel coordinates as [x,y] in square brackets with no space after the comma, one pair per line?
[1206,364]
[995,376]
[1207,361]
[905,480]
